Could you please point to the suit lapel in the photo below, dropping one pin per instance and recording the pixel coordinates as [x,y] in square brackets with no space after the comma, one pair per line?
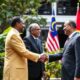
[69,41]
[39,45]
[33,42]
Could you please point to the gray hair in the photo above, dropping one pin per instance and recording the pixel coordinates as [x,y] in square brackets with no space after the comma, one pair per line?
[30,28]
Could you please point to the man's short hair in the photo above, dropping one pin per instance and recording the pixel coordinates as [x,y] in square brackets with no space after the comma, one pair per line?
[14,21]
[32,26]
[73,24]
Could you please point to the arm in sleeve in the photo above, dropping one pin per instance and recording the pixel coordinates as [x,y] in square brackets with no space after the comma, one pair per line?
[20,49]
[77,56]
[27,43]
[55,57]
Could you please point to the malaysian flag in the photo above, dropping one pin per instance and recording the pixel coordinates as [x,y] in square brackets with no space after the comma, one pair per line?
[52,43]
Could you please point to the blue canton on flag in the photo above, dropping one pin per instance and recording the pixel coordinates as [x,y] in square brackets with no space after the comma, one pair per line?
[52,39]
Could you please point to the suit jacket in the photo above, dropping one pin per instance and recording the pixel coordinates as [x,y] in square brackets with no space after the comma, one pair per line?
[35,69]
[16,55]
[70,58]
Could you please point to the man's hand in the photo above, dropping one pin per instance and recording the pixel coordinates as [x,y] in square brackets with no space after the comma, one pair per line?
[76,78]
[43,57]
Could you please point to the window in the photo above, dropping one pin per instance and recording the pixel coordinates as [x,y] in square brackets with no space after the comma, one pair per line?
[45,9]
[67,7]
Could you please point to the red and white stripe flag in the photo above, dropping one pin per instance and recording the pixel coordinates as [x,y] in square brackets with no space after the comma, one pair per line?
[52,43]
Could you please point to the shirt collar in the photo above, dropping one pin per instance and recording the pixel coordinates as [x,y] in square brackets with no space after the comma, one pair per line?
[34,37]
[72,34]
[16,31]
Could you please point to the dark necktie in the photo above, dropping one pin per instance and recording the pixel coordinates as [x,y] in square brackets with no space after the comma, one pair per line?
[36,41]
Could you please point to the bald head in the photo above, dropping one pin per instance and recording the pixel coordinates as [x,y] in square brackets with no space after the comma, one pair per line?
[70,23]
[69,27]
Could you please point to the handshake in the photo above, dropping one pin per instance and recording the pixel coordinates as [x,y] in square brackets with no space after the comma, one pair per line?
[43,57]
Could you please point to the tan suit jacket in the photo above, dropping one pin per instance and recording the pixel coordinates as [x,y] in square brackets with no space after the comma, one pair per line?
[16,55]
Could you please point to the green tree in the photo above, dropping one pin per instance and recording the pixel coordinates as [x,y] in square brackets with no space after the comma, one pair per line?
[10,8]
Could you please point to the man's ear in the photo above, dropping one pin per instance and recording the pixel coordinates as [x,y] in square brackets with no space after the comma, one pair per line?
[32,31]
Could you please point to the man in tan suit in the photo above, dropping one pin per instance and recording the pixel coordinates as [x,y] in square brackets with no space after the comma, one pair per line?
[16,54]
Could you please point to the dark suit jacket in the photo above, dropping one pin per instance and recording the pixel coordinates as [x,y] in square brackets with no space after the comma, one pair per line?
[70,58]
[35,69]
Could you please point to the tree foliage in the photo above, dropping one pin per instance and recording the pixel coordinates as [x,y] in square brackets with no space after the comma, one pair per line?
[11,8]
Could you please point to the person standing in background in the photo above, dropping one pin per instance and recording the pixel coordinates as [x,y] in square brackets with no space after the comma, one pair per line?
[34,44]
[16,54]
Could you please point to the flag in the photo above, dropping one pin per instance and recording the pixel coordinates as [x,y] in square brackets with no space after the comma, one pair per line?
[78,18]
[52,43]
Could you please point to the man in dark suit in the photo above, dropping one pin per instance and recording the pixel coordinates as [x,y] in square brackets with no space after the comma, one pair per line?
[71,53]
[33,43]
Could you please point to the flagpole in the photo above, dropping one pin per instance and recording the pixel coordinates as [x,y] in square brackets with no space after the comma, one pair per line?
[53,9]
[78,5]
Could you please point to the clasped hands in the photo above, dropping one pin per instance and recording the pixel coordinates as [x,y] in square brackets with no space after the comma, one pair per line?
[43,57]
